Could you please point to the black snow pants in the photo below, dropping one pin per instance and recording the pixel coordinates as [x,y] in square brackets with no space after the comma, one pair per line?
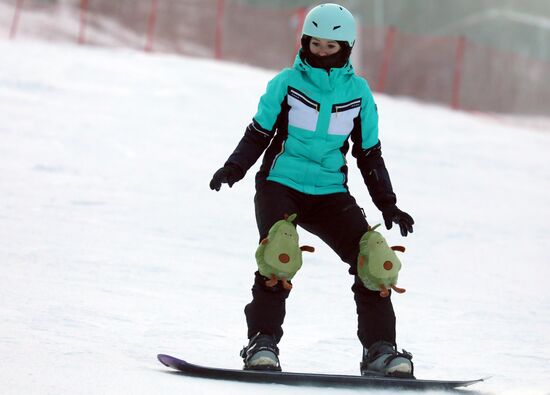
[340,223]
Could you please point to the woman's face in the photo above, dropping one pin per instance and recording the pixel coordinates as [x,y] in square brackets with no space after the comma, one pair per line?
[322,47]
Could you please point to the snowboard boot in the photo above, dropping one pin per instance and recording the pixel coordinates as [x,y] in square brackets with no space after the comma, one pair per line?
[261,353]
[383,359]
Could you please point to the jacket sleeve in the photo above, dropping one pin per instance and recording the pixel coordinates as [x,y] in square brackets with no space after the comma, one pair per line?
[261,130]
[368,152]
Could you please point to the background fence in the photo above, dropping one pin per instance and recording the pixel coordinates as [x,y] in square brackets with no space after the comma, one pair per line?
[444,69]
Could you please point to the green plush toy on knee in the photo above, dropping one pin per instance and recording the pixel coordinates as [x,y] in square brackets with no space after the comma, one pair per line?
[279,256]
[377,264]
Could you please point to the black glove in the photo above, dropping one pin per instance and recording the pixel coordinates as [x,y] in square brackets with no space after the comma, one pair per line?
[228,174]
[393,214]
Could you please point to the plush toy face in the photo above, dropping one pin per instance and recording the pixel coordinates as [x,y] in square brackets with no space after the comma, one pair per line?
[378,265]
[383,264]
[282,252]
[279,254]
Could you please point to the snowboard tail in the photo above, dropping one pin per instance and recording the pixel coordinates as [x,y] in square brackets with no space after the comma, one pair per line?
[307,379]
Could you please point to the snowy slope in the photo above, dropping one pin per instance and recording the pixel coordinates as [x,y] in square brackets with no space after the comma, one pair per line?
[114,249]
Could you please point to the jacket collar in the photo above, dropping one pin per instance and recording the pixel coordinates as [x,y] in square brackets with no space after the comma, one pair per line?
[321,78]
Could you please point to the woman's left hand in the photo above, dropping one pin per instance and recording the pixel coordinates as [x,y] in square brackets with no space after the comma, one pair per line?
[394,215]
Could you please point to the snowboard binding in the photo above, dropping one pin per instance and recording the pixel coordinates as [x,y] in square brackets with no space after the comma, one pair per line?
[261,353]
[383,359]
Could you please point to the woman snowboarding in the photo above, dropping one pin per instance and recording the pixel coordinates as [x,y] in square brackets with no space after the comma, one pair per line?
[303,127]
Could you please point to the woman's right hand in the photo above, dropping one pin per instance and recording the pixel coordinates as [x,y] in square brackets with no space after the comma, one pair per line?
[229,174]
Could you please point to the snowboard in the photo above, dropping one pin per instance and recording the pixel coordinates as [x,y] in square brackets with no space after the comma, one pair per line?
[307,379]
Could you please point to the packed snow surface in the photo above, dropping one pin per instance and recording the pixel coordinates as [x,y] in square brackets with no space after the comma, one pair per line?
[113,247]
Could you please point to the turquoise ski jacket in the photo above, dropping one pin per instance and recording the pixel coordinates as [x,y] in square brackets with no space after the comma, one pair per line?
[304,122]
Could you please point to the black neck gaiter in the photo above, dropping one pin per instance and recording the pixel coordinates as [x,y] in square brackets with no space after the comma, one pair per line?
[337,60]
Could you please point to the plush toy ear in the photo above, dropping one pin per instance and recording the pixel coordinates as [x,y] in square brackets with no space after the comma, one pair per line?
[397,289]
[398,248]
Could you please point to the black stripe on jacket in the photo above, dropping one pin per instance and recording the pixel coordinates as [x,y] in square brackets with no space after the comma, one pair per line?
[373,169]
[256,140]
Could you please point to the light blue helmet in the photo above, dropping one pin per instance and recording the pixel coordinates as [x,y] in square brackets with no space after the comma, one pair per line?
[330,22]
